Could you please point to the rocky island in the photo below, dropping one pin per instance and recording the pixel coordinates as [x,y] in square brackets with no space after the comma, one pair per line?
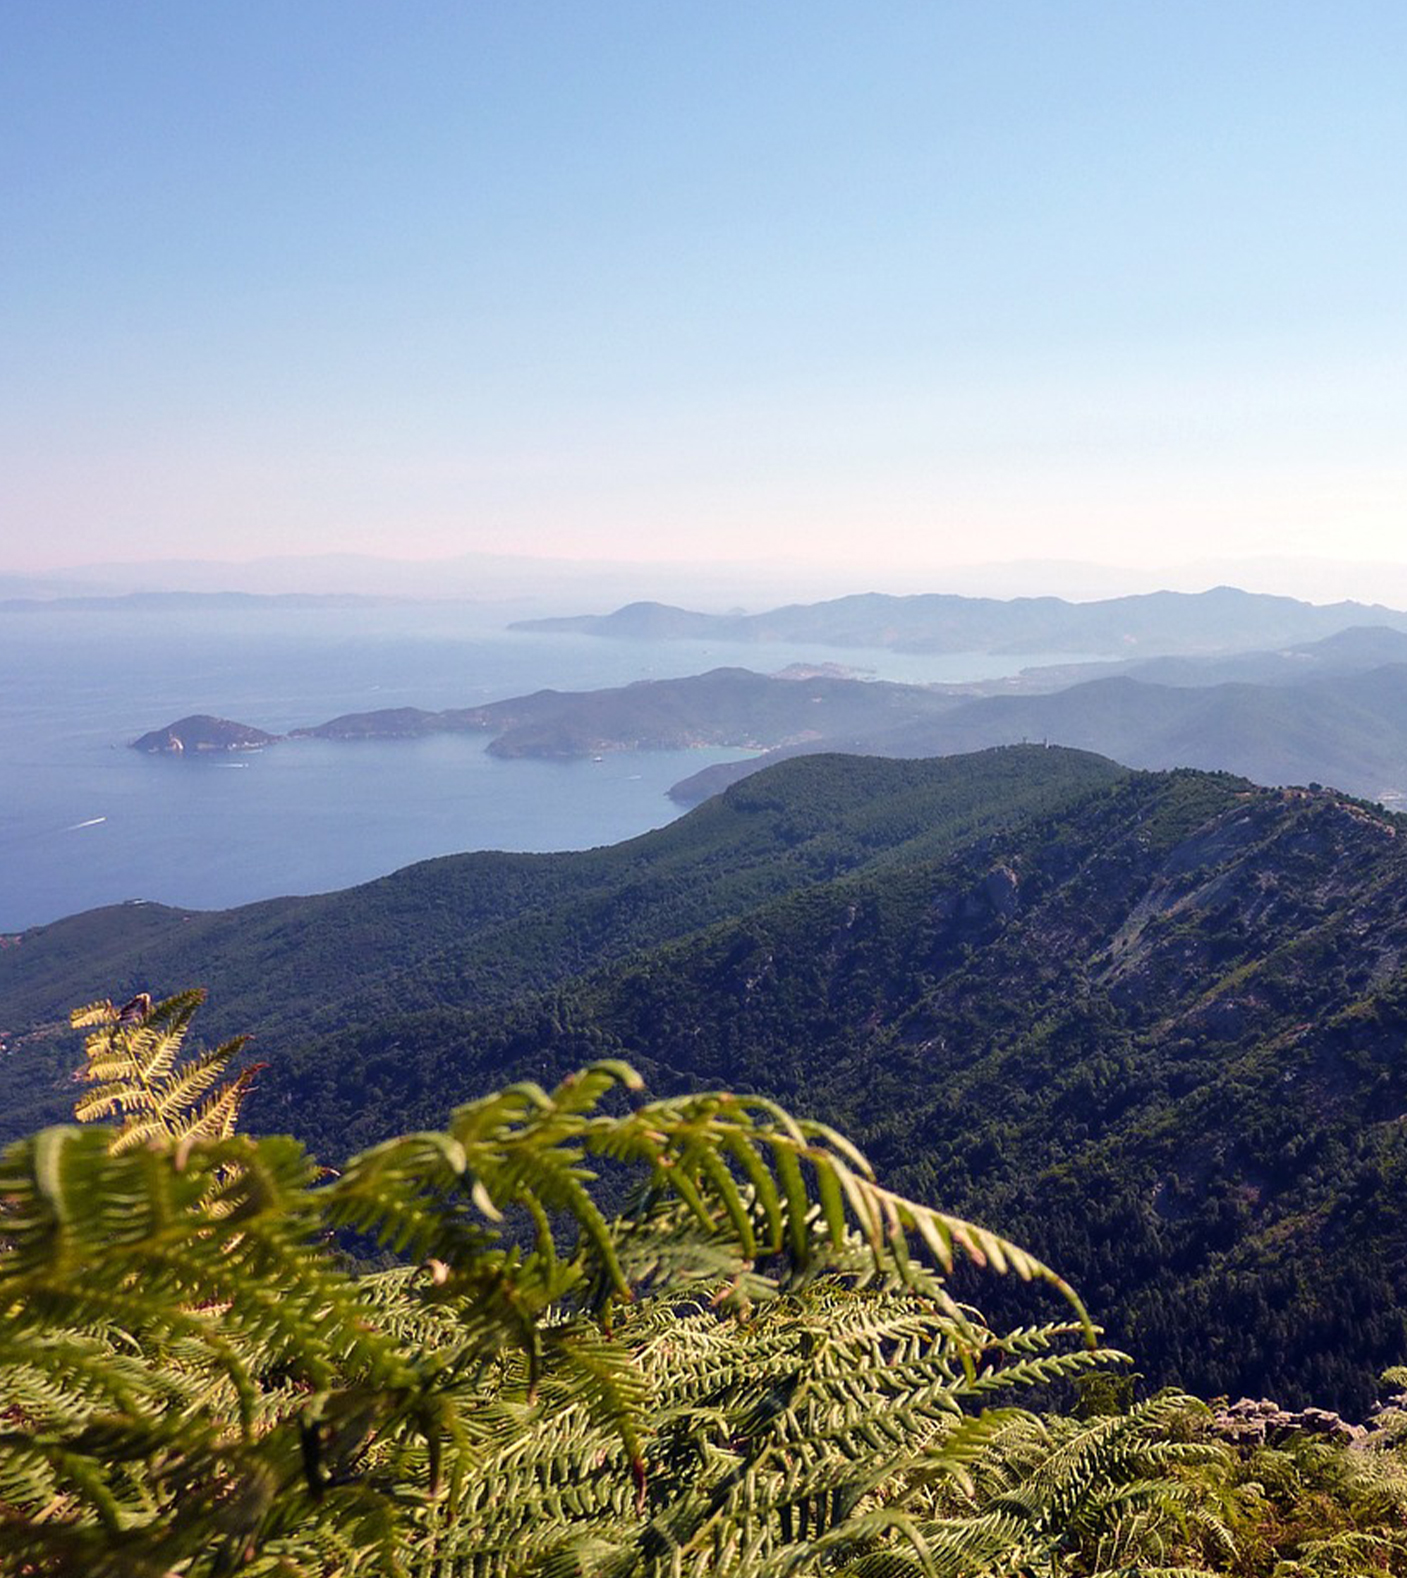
[201,732]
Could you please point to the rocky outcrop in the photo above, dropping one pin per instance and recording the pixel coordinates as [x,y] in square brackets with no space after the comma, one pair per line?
[1256,1421]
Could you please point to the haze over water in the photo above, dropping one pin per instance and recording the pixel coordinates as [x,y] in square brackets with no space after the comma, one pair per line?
[85,821]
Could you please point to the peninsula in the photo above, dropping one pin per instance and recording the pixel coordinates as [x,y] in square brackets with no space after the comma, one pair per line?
[1332,711]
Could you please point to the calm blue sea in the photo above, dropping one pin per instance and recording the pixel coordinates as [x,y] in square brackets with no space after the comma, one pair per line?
[84,821]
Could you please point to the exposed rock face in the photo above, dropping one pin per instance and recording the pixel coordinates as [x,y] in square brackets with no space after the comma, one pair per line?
[1000,889]
[1254,1421]
[201,732]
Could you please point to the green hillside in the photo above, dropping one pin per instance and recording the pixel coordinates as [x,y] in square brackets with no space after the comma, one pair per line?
[1158,1035]
[1151,1024]
[484,928]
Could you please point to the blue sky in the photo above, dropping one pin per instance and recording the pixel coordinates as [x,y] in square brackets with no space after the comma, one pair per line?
[896,284]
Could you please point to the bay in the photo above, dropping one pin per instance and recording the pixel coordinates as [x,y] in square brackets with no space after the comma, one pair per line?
[85,821]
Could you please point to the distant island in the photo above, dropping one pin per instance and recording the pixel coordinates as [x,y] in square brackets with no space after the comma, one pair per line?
[727,706]
[132,602]
[201,732]
[1224,619]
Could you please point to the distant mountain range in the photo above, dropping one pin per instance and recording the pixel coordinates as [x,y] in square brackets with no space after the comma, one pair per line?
[726,706]
[529,583]
[1222,620]
[1347,651]
[1150,1023]
[714,583]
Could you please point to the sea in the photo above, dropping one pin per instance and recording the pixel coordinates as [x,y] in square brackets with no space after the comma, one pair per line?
[85,821]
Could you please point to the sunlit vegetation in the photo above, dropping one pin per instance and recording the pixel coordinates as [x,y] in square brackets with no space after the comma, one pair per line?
[752,1363]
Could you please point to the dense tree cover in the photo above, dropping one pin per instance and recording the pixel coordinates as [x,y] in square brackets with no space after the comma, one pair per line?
[755,1369]
[1158,1034]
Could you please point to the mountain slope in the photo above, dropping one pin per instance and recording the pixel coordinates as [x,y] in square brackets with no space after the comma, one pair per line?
[1153,1024]
[1347,651]
[1159,1035]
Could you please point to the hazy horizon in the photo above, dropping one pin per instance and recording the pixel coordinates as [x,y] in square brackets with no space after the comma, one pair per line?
[585,585]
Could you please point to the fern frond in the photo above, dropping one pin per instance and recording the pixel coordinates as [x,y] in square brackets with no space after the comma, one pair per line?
[134,1060]
[755,1369]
